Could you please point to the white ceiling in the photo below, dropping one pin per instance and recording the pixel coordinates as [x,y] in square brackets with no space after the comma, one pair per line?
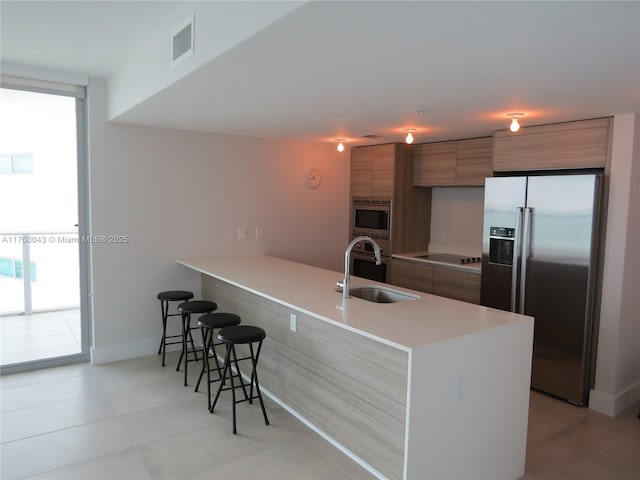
[343,69]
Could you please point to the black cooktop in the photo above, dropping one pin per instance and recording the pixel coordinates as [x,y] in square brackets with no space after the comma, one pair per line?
[450,258]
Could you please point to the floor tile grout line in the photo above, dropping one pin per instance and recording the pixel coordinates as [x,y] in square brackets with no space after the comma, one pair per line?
[100,389]
[61,429]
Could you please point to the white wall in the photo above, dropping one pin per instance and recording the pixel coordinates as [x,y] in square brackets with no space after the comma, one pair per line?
[178,193]
[617,383]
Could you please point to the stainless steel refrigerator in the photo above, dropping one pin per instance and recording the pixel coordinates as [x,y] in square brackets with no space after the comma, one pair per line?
[539,255]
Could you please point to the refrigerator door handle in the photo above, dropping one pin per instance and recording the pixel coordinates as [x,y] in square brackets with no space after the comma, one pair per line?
[526,237]
[514,261]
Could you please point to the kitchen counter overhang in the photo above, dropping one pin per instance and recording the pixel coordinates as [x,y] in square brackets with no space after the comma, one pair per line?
[439,388]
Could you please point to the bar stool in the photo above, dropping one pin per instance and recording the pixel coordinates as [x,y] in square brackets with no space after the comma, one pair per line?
[232,336]
[208,324]
[186,309]
[165,298]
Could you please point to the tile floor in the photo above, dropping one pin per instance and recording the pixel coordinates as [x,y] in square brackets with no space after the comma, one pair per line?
[41,335]
[135,420]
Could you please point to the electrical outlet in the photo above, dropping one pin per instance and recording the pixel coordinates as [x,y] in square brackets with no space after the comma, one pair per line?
[259,233]
[242,233]
[293,322]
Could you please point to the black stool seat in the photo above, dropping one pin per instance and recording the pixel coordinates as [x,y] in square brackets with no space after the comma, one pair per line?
[218,320]
[208,323]
[232,336]
[166,297]
[242,334]
[186,309]
[197,306]
[175,295]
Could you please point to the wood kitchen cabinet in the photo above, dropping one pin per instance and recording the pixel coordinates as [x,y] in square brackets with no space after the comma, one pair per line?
[384,172]
[372,170]
[474,161]
[456,284]
[410,274]
[430,278]
[434,164]
[455,163]
[361,171]
[570,145]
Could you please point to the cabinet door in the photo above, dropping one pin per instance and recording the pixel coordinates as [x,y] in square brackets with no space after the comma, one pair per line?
[474,161]
[410,274]
[383,160]
[361,171]
[434,164]
[582,144]
[456,284]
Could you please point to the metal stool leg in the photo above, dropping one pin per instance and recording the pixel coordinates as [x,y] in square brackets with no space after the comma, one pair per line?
[207,335]
[186,322]
[164,306]
[254,377]
[227,367]
[233,390]
[235,360]
[205,356]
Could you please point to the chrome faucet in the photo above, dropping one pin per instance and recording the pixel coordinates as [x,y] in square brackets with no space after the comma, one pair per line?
[347,260]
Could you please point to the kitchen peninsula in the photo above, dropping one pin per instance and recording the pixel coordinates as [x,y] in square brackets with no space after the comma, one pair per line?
[423,388]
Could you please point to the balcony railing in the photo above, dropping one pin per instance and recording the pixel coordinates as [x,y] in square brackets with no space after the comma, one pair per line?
[52,279]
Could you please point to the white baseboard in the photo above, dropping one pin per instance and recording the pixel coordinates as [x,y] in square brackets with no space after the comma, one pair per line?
[613,405]
[125,351]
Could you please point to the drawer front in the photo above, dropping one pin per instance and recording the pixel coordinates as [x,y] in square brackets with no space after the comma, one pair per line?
[414,275]
[456,284]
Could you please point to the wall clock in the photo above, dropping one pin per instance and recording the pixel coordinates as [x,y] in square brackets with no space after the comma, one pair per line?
[312,178]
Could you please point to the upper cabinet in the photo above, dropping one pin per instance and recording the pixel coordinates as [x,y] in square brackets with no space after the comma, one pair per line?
[434,164]
[474,161]
[372,170]
[571,145]
[454,163]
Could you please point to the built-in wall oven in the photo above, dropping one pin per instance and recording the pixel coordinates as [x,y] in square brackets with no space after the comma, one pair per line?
[371,217]
[364,265]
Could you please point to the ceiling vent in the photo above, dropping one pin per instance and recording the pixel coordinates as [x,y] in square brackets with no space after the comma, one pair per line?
[371,135]
[182,41]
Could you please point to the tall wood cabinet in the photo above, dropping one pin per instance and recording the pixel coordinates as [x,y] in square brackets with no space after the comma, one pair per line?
[385,172]
[454,163]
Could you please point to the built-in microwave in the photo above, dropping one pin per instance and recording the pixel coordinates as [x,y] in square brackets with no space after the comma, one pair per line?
[371,217]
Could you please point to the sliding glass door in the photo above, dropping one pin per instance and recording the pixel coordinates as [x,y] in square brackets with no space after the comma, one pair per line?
[42,256]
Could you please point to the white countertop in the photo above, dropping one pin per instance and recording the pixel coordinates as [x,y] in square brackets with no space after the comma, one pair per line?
[414,256]
[404,325]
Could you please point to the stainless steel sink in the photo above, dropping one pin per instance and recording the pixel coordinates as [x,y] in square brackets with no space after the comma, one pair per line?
[379,294]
